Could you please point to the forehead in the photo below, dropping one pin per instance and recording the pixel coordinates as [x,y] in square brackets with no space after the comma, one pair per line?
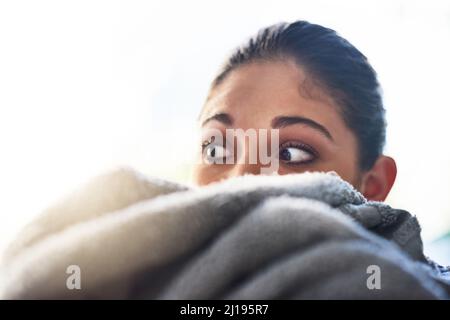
[256,93]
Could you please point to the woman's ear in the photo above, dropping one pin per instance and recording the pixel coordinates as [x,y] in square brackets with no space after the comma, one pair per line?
[378,181]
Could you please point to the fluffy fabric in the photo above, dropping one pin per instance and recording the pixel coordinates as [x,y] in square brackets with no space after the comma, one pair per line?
[302,236]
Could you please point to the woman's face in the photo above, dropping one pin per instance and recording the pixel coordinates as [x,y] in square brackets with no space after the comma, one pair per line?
[277,95]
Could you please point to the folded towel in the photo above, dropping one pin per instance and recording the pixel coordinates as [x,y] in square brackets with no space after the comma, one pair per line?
[299,236]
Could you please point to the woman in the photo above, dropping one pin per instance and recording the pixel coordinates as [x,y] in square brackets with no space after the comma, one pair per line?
[321,94]
[248,238]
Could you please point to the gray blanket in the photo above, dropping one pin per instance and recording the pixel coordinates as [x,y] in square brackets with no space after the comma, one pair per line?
[301,236]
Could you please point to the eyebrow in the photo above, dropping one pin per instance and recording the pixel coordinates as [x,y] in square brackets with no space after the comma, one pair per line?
[284,121]
[278,122]
[225,118]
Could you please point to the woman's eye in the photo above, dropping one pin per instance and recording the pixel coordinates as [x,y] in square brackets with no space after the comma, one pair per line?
[296,155]
[215,153]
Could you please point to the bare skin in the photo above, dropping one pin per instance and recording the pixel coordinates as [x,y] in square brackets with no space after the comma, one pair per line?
[312,133]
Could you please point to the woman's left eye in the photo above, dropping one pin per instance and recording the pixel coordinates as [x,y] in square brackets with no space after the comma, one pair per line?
[296,154]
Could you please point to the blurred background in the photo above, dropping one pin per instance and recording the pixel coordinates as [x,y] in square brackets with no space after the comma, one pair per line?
[86,86]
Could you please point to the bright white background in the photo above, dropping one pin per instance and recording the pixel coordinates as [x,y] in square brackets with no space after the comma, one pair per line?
[89,85]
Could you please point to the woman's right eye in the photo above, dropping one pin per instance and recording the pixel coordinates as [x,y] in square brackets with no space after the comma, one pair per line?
[215,153]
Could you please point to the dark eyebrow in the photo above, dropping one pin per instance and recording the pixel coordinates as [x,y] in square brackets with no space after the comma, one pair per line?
[225,118]
[284,121]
